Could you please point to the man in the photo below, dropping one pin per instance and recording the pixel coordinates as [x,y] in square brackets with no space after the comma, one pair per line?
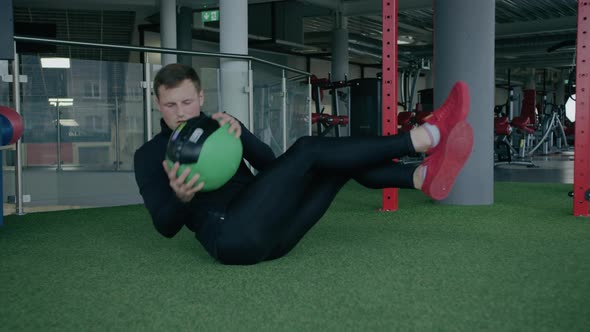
[256,218]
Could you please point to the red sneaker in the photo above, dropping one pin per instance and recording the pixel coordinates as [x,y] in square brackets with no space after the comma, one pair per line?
[444,165]
[453,110]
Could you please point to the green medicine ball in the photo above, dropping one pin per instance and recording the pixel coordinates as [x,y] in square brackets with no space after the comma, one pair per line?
[204,147]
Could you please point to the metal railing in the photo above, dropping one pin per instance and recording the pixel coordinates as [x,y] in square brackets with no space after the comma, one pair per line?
[157,50]
[147,91]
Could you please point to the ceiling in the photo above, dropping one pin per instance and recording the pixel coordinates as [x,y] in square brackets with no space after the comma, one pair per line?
[525,29]
[529,33]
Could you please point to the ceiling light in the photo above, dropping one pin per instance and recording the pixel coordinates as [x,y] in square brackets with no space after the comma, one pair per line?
[55,62]
[570,108]
[68,123]
[405,40]
[61,101]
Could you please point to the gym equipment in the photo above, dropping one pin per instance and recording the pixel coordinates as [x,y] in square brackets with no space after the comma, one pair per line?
[405,121]
[410,117]
[366,107]
[204,147]
[548,123]
[530,130]
[426,100]
[11,129]
[11,124]
[550,134]
[408,79]
[502,146]
[551,129]
[328,122]
[505,125]
[586,195]
[504,151]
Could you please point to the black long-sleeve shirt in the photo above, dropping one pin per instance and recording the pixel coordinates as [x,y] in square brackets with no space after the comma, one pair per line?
[168,213]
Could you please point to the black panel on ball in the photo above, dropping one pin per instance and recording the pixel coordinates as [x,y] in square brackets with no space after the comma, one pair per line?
[185,143]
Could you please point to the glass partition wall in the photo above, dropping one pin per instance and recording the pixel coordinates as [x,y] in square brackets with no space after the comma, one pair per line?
[87,116]
[91,116]
[281,106]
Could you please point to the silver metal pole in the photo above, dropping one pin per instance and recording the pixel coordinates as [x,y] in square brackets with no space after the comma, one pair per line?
[309,107]
[511,104]
[402,91]
[413,91]
[58,126]
[18,171]
[117,147]
[219,99]
[148,100]
[336,109]
[250,103]
[284,107]
[168,37]
[250,98]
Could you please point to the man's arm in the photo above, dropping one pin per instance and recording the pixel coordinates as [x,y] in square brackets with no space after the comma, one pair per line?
[256,152]
[167,211]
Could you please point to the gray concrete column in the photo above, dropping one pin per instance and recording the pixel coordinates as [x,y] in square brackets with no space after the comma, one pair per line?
[560,89]
[428,79]
[340,48]
[168,29]
[339,54]
[464,50]
[184,32]
[339,70]
[531,83]
[234,73]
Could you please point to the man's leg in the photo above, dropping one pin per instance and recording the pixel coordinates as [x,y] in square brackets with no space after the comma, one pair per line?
[319,194]
[322,190]
[256,218]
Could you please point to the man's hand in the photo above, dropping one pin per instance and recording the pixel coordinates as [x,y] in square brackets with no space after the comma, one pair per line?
[184,191]
[224,118]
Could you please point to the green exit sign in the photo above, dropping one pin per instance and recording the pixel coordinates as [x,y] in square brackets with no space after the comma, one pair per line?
[210,16]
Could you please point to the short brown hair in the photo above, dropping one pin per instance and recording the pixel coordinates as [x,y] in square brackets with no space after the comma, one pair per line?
[170,76]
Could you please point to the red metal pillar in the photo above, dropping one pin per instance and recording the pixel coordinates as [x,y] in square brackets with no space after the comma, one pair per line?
[389,86]
[582,144]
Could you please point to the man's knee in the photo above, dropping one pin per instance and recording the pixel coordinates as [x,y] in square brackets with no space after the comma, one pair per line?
[303,145]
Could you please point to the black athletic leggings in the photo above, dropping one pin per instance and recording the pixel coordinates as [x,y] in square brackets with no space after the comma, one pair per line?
[269,217]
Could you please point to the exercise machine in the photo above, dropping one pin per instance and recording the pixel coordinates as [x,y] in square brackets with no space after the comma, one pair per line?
[326,123]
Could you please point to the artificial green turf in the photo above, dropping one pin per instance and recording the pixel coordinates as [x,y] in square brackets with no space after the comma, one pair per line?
[520,265]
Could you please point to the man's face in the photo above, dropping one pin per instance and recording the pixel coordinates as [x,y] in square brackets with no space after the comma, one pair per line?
[180,103]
